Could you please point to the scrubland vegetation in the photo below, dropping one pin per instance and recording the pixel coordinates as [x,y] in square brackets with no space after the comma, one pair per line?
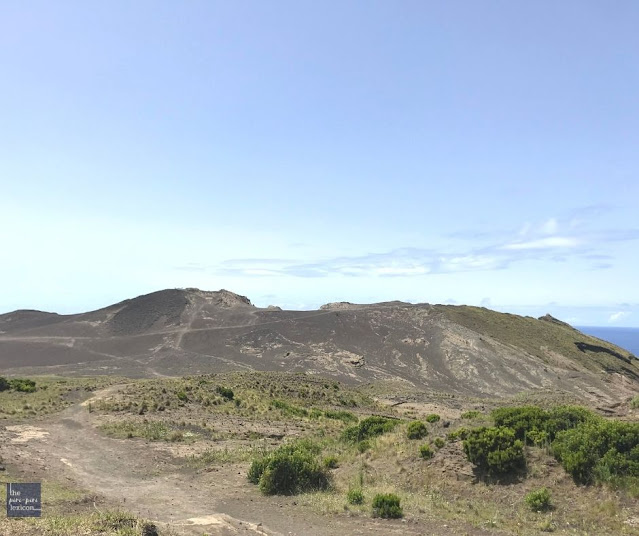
[520,469]
[22,398]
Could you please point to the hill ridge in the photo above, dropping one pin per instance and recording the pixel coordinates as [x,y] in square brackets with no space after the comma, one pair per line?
[458,349]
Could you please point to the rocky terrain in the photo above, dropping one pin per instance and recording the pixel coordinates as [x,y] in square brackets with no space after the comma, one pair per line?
[459,350]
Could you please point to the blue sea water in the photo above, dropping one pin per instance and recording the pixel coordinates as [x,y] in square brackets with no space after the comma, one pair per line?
[627,338]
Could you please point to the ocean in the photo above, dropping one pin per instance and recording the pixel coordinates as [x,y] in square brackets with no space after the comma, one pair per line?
[627,338]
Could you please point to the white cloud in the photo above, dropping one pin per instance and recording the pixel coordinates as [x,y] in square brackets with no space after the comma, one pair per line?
[550,226]
[525,229]
[615,317]
[545,243]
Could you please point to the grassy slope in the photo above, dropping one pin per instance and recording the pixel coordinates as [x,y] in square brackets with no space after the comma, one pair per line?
[53,394]
[436,490]
[537,337]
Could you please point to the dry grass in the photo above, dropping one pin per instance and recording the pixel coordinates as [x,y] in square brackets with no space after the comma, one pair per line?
[52,394]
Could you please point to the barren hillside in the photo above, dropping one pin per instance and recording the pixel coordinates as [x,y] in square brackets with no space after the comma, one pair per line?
[459,350]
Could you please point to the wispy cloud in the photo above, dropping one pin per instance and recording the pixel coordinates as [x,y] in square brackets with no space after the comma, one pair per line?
[616,317]
[552,240]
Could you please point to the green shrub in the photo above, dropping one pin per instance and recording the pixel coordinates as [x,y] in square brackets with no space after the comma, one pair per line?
[182,396]
[520,419]
[290,473]
[355,496]
[289,409]
[330,462]
[387,505]
[634,403]
[369,427]
[471,414]
[459,434]
[525,420]
[416,430]
[599,450]
[563,418]
[257,469]
[225,392]
[344,416]
[439,442]
[364,445]
[495,450]
[539,500]
[537,437]
[292,468]
[23,385]
[426,452]
[4,384]
[432,418]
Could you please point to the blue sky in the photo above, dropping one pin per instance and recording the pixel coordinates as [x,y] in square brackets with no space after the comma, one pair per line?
[305,152]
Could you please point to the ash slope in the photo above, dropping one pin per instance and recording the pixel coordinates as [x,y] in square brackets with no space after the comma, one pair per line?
[451,349]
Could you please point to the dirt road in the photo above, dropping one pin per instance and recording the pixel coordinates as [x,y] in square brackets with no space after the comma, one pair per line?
[146,481]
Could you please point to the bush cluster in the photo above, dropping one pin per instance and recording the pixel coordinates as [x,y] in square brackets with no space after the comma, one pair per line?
[426,452]
[539,500]
[590,448]
[290,469]
[599,451]
[330,462]
[368,428]
[18,384]
[355,496]
[432,418]
[225,392]
[416,430]
[528,422]
[387,505]
[495,450]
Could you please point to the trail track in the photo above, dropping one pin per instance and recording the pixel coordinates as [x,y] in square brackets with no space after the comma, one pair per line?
[146,481]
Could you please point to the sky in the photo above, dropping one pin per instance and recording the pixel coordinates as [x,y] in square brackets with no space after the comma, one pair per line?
[299,153]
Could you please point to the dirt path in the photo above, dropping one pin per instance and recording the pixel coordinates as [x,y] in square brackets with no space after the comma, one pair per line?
[148,482]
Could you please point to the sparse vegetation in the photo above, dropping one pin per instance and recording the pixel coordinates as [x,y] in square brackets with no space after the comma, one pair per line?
[387,505]
[43,395]
[149,430]
[471,414]
[368,428]
[388,463]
